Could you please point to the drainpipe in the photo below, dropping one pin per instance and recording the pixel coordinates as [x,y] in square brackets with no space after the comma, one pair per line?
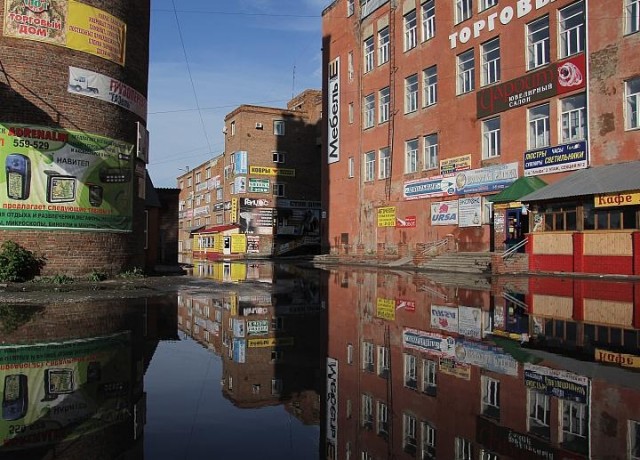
[588,79]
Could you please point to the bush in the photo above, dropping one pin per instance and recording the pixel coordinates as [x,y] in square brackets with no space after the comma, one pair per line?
[18,263]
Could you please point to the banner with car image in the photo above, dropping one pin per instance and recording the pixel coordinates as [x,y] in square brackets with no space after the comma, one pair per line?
[58,179]
[61,391]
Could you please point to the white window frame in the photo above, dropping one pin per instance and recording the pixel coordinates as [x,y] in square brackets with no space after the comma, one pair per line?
[384,163]
[491,138]
[278,127]
[428,434]
[350,71]
[486,4]
[369,111]
[464,449]
[410,21]
[409,429]
[384,102]
[349,353]
[428,20]
[491,61]
[466,71]
[490,395]
[411,156]
[633,440]
[539,415]
[632,16]
[383,419]
[368,54]
[278,189]
[369,166]
[572,30]
[429,375]
[383,45]
[430,86]
[538,43]
[410,371]
[368,357]
[384,361]
[632,103]
[539,126]
[350,7]
[464,10]
[575,418]
[430,151]
[351,113]
[352,167]
[278,157]
[411,93]
[367,410]
[573,119]
[488,455]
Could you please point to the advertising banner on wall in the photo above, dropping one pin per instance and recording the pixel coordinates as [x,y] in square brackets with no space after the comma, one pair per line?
[67,23]
[568,157]
[387,216]
[444,213]
[53,178]
[333,103]
[444,318]
[259,185]
[269,171]
[429,187]
[429,342]
[258,327]
[239,350]
[470,210]
[470,322]
[240,160]
[453,165]
[64,390]
[91,84]
[489,179]
[386,309]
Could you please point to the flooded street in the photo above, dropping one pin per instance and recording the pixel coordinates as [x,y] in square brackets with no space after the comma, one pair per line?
[281,361]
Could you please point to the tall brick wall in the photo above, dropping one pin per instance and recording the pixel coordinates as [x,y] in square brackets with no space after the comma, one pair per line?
[33,90]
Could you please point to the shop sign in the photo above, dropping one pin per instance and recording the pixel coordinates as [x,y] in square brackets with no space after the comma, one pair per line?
[387,216]
[240,159]
[240,184]
[470,210]
[239,350]
[505,441]
[408,305]
[386,309]
[454,368]
[617,199]
[489,357]
[556,382]
[258,327]
[333,103]
[270,342]
[268,171]
[621,359]
[453,165]
[489,179]
[238,327]
[407,222]
[444,213]
[428,342]
[430,187]
[470,322]
[566,157]
[259,186]
[255,202]
[444,318]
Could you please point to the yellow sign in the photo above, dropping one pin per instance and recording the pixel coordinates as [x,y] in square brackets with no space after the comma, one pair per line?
[621,359]
[67,23]
[233,303]
[267,171]
[239,243]
[387,217]
[234,210]
[457,369]
[617,199]
[270,342]
[451,165]
[386,309]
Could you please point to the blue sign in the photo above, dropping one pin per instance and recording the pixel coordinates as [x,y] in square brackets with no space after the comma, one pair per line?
[567,157]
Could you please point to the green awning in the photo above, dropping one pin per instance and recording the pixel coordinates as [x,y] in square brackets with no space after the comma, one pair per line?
[521,187]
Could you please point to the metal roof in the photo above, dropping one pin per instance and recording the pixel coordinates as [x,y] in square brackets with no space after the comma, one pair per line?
[521,187]
[619,177]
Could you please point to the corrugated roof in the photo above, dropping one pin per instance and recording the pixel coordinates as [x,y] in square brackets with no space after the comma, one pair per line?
[220,228]
[620,177]
[521,187]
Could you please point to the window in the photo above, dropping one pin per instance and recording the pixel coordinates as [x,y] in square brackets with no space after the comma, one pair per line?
[278,189]
[539,126]
[384,164]
[464,449]
[278,127]
[383,45]
[429,375]
[486,4]
[572,29]
[410,30]
[276,386]
[369,166]
[349,353]
[367,411]
[411,156]
[428,20]
[352,167]
[278,157]
[488,455]
[632,96]
[490,397]
[384,100]
[538,43]
[384,358]
[430,160]
[463,10]
[383,419]
[350,65]
[491,138]
[574,424]
[430,85]
[198,177]
[276,356]
[233,128]
[369,110]
[559,218]
[634,440]
[350,113]
[409,442]
[368,55]
[410,371]
[367,356]
[573,118]
[539,414]
[366,455]
[466,78]
[350,7]
[428,433]
[411,93]
[632,16]
[491,61]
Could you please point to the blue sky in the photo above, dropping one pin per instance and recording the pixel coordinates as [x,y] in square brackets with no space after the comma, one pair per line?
[209,57]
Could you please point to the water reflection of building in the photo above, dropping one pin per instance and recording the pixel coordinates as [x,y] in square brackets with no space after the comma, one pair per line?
[71,376]
[414,370]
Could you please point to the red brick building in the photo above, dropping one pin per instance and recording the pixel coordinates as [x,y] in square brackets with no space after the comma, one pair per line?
[433,108]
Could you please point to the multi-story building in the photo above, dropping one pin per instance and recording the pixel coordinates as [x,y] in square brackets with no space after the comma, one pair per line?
[262,196]
[436,107]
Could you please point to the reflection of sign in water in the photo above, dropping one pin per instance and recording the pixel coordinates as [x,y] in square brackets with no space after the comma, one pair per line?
[429,342]
[239,350]
[452,367]
[332,403]
[386,309]
[270,342]
[444,318]
[259,327]
[557,382]
[488,357]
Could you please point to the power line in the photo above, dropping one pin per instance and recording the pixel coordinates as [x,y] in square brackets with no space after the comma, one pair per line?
[232,13]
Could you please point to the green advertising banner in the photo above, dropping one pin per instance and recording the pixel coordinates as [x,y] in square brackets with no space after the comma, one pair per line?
[58,179]
[54,392]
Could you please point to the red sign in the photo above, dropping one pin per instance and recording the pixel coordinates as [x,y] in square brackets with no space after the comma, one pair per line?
[409,221]
[408,305]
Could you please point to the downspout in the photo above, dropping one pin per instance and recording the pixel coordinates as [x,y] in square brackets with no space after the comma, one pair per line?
[588,82]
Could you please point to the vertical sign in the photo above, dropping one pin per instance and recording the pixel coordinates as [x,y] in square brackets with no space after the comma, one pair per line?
[333,103]
[332,406]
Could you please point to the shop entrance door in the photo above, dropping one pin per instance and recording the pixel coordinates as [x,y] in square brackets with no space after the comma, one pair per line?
[517,226]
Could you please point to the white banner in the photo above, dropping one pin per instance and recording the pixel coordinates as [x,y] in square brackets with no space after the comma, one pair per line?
[444,213]
[444,318]
[470,322]
[470,210]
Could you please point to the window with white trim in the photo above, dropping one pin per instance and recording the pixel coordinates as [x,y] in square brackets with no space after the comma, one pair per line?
[278,127]
[278,157]
[632,97]
[465,68]
[411,93]
[411,156]
[490,397]
[350,71]
[351,113]
[409,439]
[486,4]
[491,138]
[369,166]
[491,61]
[632,16]
[488,455]
[383,419]
[410,30]
[538,43]
[233,128]
[384,361]
[278,189]
[410,371]
[369,106]
[428,433]
[539,126]
[574,118]
[368,358]
[572,29]
[384,163]
[276,386]
[634,440]
[429,377]
[349,353]
[574,423]
[430,86]
[539,413]
[464,9]
[368,54]
[428,20]
[383,45]
[430,159]
[352,167]
[384,102]
[367,411]
[366,456]
[350,7]
[464,449]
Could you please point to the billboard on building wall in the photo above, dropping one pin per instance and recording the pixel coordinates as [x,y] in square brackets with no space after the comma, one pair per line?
[59,179]
[67,23]
[561,158]
[333,120]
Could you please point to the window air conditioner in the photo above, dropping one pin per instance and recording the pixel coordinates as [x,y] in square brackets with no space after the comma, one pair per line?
[258,125]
